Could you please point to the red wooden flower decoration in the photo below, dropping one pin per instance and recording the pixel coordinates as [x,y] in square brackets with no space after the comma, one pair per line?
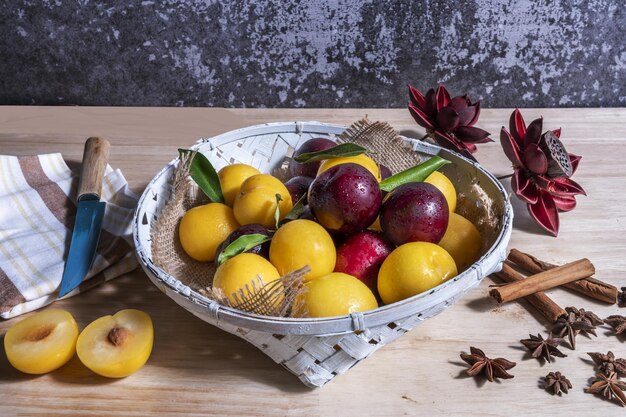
[448,121]
[542,170]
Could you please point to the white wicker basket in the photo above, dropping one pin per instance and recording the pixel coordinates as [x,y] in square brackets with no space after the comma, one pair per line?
[316,350]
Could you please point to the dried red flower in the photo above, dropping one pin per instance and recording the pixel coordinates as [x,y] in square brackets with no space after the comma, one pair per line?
[448,121]
[542,170]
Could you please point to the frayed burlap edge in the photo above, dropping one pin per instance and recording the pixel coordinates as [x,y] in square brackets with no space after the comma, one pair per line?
[383,142]
[279,298]
[478,207]
[167,252]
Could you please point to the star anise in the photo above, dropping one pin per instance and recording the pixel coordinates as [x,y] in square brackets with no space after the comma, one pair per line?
[586,316]
[607,364]
[541,348]
[621,297]
[617,322]
[557,382]
[492,368]
[610,387]
[576,321]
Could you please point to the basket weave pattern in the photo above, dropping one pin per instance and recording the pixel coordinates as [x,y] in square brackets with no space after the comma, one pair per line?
[316,350]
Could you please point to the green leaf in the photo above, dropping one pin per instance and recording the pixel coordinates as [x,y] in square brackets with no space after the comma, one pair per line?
[295,211]
[277,212]
[240,245]
[203,173]
[342,150]
[417,173]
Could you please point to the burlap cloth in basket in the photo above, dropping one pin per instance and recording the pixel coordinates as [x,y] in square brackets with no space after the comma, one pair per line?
[385,146]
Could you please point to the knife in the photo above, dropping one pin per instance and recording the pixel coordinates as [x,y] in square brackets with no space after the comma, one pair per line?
[89,214]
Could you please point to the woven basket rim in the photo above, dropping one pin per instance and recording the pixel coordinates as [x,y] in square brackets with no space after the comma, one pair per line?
[347,323]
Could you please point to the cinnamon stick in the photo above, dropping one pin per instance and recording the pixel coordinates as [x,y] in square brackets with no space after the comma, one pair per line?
[590,286]
[560,275]
[541,302]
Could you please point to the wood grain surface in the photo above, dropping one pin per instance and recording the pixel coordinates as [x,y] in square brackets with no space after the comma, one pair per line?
[196,369]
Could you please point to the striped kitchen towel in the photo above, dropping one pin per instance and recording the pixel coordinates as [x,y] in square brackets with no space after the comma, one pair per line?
[37,211]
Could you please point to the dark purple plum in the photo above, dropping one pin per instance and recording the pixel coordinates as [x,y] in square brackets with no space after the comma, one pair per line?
[309,169]
[384,172]
[298,186]
[414,212]
[247,229]
[345,198]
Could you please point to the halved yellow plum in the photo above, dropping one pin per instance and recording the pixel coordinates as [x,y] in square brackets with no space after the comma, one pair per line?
[116,346]
[42,342]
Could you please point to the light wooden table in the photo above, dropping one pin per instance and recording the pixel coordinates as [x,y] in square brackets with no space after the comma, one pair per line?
[197,369]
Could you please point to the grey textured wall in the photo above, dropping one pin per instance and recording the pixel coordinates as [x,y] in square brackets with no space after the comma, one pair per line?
[317,53]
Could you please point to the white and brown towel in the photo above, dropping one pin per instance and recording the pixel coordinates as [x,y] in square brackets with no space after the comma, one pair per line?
[37,212]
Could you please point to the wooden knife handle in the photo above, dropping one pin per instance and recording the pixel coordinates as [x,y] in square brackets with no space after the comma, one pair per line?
[95,158]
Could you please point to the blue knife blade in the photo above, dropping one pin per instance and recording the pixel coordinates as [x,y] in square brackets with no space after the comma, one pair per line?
[89,215]
[85,236]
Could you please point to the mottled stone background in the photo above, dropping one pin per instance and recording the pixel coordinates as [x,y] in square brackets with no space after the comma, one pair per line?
[315,53]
